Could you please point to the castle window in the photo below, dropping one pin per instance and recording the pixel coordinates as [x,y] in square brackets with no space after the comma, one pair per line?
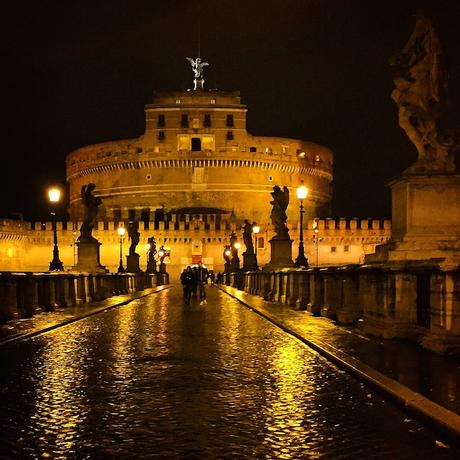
[161,135]
[213,101]
[184,120]
[177,101]
[268,150]
[317,158]
[284,149]
[207,120]
[253,149]
[161,121]
[196,144]
[230,122]
[229,135]
[333,248]
[346,248]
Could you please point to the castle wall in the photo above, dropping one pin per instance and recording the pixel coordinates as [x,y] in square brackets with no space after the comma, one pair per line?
[28,246]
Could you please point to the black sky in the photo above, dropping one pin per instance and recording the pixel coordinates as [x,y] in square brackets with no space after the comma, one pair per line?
[79,73]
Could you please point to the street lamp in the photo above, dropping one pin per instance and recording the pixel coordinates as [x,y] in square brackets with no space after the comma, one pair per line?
[147,250]
[234,246]
[316,238]
[121,231]
[256,230]
[54,195]
[301,260]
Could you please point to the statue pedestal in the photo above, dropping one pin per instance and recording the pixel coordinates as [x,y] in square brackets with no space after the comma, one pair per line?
[132,263]
[163,268]
[249,262]
[425,220]
[88,258]
[281,254]
[152,266]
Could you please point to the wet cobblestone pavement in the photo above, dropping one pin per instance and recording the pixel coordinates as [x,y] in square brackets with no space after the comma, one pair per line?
[157,379]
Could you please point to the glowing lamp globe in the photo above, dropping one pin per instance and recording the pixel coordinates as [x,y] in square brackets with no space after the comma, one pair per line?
[302,192]
[54,195]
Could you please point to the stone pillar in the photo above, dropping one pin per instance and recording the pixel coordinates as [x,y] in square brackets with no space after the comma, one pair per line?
[132,263]
[27,295]
[316,289]
[8,298]
[47,293]
[444,333]
[281,253]
[88,257]
[80,287]
[351,310]
[303,296]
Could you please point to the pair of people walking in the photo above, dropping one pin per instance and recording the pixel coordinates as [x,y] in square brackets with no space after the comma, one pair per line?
[194,281]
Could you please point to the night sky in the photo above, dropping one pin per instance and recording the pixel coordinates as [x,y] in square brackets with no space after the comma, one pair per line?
[79,73]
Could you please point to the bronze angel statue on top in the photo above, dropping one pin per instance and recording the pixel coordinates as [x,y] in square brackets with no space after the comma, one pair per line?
[197,67]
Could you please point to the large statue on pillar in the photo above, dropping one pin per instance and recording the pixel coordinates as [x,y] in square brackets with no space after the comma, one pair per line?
[278,214]
[132,259]
[281,243]
[426,196]
[249,256]
[87,245]
[90,205]
[421,96]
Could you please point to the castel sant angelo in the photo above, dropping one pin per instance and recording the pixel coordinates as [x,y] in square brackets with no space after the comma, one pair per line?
[191,179]
[196,157]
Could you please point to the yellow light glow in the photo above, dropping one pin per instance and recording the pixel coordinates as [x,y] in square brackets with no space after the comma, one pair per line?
[147,246]
[237,245]
[54,194]
[161,253]
[227,252]
[121,231]
[256,229]
[302,192]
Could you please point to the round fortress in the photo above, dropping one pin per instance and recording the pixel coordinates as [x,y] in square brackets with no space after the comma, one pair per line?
[196,157]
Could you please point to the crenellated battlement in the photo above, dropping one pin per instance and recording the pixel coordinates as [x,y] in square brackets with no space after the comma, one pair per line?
[27,245]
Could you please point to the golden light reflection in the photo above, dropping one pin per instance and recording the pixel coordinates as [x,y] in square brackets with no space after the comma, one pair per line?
[61,406]
[285,410]
[122,348]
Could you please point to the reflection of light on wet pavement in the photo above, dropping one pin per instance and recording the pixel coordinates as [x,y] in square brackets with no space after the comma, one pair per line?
[158,379]
[285,408]
[61,405]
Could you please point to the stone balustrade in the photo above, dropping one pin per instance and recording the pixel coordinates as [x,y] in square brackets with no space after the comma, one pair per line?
[420,304]
[24,294]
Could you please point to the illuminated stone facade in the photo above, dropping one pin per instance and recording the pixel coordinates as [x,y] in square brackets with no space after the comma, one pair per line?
[26,246]
[196,154]
[190,180]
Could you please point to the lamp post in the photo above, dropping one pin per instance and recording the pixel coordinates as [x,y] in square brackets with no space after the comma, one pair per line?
[227,255]
[301,260]
[315,226]
[256,230]
[147,249]
[54,195]
[235,260]
[121,231]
